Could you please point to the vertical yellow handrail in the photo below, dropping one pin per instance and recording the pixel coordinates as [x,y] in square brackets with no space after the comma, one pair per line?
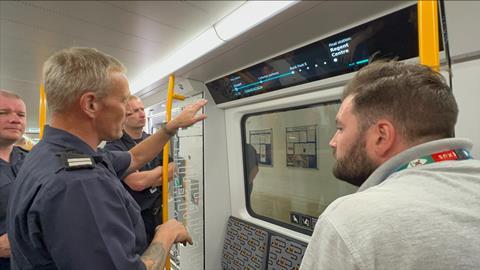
[166,149]
[428,39]
[42,114]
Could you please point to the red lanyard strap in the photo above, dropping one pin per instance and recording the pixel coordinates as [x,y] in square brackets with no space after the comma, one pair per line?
[455,154]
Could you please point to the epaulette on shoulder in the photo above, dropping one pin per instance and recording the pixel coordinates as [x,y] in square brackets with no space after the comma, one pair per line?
[74,161]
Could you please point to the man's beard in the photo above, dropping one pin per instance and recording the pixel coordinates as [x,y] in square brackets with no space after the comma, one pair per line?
[355,167]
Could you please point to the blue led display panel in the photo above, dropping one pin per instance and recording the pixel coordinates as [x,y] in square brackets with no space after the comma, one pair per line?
[393,35]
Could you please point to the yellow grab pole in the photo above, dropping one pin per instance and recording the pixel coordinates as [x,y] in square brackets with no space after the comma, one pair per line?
[42,114]
[428,40]
[166,149]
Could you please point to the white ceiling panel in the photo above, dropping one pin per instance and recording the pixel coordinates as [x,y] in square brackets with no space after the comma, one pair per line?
[187,13]
[112,17]
[56,27]
[138,33]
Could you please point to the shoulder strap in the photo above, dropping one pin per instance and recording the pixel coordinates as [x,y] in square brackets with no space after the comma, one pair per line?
[74,161]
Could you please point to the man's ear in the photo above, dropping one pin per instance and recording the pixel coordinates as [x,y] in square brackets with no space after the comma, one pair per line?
[384,137]
[89,104]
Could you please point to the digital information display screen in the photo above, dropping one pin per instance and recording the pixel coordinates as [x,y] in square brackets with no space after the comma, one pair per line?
[393,35]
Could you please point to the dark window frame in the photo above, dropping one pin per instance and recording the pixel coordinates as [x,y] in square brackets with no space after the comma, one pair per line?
[244,158]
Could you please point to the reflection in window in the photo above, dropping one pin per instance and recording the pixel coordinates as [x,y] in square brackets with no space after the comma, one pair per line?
[302,146]
[261,140]
[295,189]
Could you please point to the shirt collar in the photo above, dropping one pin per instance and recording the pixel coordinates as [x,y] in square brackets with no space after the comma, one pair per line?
[17,153]
[389,167]
[129,139]
[126,137]
[66,140]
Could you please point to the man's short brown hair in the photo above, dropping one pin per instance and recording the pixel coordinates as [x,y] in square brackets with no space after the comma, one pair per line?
[414,97]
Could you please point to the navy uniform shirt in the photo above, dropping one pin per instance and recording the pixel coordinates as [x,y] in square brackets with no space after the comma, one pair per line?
[150,199]
[65,215]
[8,172]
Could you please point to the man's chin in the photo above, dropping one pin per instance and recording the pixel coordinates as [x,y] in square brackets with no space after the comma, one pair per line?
[356,178]
[7,142]
[113,137]
[11,138]
[119,135]
[353,181]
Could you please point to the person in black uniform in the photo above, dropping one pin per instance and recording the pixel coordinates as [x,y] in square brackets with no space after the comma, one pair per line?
[68,208]
[144,185]
[13,114]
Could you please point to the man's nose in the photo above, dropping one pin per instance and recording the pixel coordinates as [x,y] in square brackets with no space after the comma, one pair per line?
[333,141]
[15,118]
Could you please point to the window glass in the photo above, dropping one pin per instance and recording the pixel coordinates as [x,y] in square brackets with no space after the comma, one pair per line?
[288,165]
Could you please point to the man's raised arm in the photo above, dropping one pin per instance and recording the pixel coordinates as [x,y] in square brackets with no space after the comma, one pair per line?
[153,145]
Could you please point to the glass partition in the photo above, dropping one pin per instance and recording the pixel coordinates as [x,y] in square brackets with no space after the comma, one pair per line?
[185,200]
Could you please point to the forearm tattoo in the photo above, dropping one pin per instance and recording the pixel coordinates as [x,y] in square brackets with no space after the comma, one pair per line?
[154,257]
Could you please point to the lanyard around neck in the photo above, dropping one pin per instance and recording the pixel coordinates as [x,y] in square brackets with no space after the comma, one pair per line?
[454,154]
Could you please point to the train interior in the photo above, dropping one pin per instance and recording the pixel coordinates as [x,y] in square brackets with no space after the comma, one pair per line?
[273,91]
